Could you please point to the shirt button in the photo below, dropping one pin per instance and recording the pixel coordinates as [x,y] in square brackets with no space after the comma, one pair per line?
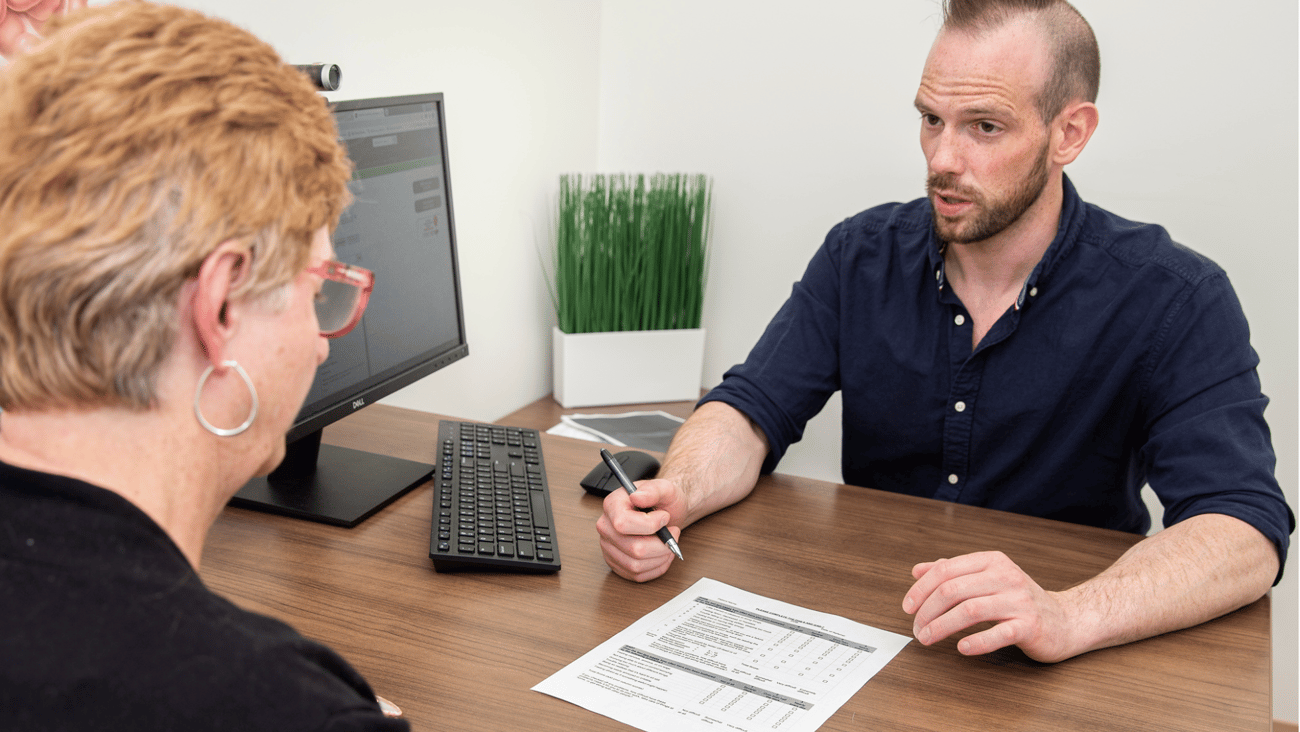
[953,479]
[960,319]
[960,406]
[1033,292]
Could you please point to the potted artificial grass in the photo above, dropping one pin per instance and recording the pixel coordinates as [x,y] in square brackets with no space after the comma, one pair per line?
[630,266]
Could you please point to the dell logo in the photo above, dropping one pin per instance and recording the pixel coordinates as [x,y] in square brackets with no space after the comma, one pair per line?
[358,403]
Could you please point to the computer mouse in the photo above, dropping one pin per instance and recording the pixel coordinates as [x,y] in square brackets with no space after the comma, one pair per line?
[638,466]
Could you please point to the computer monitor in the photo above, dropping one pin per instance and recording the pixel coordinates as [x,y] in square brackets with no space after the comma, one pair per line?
[400,226]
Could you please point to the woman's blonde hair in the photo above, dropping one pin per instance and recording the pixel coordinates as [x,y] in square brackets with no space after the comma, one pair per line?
[135,141]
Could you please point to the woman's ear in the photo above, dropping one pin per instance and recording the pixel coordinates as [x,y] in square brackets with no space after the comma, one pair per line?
[215,322]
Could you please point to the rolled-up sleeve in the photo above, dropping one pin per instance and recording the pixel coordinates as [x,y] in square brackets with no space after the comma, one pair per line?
[1208,447]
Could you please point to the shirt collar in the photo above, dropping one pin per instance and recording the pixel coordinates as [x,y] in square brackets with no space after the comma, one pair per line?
[1066,233]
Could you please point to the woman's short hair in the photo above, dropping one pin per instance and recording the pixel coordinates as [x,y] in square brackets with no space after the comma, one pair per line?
[137,139]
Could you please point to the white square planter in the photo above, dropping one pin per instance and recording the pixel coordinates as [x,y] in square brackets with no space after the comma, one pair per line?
[627,367]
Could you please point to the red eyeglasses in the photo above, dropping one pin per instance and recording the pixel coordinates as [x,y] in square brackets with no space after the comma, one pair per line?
[343,296]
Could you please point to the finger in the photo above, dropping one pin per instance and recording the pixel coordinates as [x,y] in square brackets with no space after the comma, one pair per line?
[919,570]
[968,613]
[636,546]
[930,575]
[41,11]
[621,500]
[625,518]
[663,494]
[617,503]
[641,503]
[636,571]
[1002,635]
[636,559]
[652,492]
[960,589]
[12,34]
[643,500]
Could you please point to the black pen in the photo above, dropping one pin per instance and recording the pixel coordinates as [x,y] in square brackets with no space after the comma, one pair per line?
[664,534]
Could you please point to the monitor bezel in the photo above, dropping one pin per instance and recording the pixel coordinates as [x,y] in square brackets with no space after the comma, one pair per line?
[351,402]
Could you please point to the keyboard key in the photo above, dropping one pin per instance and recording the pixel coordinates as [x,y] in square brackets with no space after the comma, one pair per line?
[541,509]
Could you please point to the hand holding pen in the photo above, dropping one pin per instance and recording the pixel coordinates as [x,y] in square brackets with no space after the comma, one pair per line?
[664,535]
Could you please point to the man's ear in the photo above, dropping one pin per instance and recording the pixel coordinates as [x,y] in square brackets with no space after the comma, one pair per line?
[215,321]
[1073,128]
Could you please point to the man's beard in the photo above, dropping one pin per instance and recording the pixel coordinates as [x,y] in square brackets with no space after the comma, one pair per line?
[992,217]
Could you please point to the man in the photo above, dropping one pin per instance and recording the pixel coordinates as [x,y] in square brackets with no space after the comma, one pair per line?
[1002,343]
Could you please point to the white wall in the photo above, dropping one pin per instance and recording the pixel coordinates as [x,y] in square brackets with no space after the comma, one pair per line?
[520,79]
[803,114]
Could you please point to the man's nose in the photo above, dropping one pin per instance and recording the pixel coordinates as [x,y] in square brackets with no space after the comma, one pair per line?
[946,155]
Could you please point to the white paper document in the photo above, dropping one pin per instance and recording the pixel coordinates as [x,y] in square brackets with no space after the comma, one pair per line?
[717,657]
[643,430]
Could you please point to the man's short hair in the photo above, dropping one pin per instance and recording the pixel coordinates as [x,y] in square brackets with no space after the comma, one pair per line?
[133,142]
[1076,60]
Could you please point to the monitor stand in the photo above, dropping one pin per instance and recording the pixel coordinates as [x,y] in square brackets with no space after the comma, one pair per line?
[330,484]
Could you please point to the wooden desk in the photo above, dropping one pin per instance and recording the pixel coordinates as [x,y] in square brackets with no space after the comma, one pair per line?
[461,651]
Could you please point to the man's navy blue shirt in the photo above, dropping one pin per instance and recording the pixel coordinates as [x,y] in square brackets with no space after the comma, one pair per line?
[1126,360]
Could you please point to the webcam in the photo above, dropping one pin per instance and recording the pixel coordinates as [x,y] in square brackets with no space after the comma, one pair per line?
[325,76]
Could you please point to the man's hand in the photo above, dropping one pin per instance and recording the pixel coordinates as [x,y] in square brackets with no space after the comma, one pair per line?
[712,463]
[951,595]
[627,535]
[1195,570]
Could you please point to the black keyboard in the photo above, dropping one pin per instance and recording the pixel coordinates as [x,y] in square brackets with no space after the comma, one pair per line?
[491,506]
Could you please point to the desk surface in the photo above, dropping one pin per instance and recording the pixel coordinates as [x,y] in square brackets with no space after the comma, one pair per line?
[462,651]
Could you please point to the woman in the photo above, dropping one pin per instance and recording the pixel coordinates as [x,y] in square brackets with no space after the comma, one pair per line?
[167,189]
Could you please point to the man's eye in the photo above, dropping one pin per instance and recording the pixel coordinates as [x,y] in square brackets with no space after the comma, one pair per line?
[988,128]
[930,120]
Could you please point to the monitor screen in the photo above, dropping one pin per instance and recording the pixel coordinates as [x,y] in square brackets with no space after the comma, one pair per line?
[399,226]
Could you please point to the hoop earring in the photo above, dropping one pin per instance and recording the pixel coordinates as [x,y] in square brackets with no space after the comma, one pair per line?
[198,411]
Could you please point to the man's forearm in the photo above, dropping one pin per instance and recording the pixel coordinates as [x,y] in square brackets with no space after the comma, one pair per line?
[1187,574]
[715,458]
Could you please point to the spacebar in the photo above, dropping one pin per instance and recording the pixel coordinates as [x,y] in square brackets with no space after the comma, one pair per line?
[541,517]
